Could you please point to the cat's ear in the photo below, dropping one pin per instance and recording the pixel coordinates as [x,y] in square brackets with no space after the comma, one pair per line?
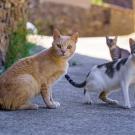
[131,41]
[56,34]
[107,37]
[116,37]
[75,36]
[107,40]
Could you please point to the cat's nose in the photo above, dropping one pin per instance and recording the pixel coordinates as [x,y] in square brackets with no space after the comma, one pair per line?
[63,51]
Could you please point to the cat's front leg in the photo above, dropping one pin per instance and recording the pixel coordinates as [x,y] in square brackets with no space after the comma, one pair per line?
[45,92]
[51,98]
[124,87]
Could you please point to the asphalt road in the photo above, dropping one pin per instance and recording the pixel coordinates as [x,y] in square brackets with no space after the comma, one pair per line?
[73,117]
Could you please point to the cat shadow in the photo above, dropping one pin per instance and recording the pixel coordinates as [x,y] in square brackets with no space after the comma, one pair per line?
[105,106]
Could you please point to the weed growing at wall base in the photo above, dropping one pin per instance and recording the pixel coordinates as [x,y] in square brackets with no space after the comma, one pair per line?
[18,47]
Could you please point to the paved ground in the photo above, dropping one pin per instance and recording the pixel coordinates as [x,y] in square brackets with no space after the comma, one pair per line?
[74,117]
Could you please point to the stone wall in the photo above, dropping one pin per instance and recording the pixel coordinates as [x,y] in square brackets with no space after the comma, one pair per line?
[95,21]
[121,21]
[77,3]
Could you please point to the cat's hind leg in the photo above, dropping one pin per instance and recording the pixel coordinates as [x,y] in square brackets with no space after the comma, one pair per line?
[87,97]
[104,97]
[28,106]
[124,88]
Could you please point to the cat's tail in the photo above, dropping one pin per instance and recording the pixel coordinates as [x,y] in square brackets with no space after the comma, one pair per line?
[75,84]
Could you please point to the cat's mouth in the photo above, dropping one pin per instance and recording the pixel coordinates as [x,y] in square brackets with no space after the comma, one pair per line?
[63,54]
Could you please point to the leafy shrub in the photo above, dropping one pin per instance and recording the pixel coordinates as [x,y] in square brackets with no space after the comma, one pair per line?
[97,2]
[18,47]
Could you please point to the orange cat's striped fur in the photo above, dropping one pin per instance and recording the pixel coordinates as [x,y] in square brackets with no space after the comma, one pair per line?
[36,74]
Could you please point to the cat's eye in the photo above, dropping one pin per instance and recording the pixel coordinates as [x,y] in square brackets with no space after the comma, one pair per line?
[69,47]
[58,45]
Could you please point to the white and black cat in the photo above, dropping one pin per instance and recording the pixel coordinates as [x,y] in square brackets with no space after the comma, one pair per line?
[107,78]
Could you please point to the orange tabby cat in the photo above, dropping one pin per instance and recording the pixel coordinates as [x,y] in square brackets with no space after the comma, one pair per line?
[36,74]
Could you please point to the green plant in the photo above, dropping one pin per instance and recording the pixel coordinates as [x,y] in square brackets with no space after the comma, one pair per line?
[97,2]
[18,47]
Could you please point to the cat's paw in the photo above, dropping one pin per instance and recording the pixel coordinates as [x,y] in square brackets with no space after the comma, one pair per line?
[35,106]
[88,102]
[57,104]
[113,102]
[54,105]
[29,107]
[127,106]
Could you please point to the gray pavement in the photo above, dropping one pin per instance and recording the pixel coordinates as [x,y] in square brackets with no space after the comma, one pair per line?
[73,117]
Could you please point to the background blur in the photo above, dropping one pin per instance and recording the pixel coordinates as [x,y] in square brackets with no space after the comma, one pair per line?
[89,17]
